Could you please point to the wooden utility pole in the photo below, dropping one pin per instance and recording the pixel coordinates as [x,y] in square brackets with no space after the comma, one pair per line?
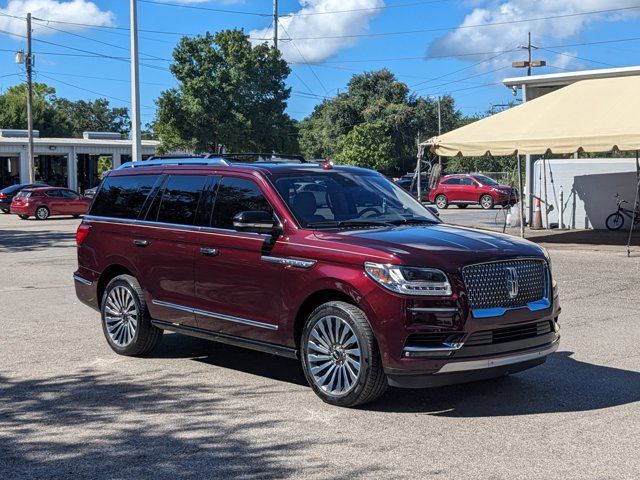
[275,24]
[529,63]
[29,67]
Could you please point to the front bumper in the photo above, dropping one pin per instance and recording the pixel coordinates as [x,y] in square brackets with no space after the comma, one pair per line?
[474,370]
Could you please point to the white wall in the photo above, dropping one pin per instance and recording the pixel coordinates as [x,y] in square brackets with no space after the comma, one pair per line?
[594,183]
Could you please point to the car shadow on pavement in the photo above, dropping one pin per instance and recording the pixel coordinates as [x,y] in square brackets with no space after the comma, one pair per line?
[562,384]
[174,345]
[97,424]
[30,240]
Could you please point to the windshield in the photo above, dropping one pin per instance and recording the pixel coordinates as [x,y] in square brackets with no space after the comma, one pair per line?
[485,180]
[339,198]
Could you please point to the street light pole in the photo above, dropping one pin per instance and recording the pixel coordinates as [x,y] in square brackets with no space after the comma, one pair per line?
[275,24]
[136,141]
[29,67]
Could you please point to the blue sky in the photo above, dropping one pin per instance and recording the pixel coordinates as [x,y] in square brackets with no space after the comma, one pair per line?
[435,46]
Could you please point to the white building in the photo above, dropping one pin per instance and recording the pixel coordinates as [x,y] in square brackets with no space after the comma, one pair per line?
[65,162]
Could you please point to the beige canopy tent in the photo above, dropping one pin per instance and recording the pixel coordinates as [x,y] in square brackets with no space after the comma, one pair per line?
[597,115]
[591,115]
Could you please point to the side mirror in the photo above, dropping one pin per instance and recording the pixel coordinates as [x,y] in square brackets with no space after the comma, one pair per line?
[256,221]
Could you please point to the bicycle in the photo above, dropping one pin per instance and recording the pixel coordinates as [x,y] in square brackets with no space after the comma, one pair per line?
[615,221]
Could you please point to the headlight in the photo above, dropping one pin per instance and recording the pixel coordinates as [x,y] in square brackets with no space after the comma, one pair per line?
[409,280]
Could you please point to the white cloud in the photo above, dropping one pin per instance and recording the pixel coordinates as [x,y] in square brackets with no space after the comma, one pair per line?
[544,32]
[74,11]
[301,24]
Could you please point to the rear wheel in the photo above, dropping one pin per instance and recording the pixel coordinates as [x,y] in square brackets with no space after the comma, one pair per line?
[486,202]
[42,213]
[462,205]
[442,202]
[23,217]
[5,210]
[340,356]
[125,319]
[615,221]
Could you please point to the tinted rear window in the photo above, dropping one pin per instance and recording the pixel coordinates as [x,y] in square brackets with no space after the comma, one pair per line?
[123,196]
[178,202]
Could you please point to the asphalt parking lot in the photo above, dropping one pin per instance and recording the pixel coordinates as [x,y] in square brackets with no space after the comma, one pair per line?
[71,408]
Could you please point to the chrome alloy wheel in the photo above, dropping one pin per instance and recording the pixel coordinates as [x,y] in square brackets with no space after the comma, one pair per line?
[121,316]
[334,356]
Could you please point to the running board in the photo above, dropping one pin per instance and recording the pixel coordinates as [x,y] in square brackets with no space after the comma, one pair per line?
[228,339]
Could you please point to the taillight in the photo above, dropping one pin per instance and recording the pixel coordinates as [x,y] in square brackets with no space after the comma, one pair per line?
[3,195]
[82,233]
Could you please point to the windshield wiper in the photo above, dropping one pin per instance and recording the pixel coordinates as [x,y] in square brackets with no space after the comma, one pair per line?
[406,221]
[349,223]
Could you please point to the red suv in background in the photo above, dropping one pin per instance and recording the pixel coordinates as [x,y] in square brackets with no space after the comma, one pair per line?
[465,190]
[362,284]
[47,201]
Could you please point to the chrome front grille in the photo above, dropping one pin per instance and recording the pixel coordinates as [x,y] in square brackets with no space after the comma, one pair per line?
[491,285]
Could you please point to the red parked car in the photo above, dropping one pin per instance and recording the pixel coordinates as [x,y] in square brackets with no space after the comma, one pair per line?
[47,201]
[366,288]
[465,190]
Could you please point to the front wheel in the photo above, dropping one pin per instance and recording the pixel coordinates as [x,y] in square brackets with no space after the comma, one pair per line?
[615,221]
[442,202]
[42,213]
[340,356]
[125,319]
[486,202]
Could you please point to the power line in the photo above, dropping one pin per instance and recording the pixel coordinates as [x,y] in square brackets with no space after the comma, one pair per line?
[303,58]
[209,9]
[579,58]
[461,27]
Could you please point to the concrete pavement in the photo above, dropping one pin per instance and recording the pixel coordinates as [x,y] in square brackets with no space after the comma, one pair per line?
[71,408]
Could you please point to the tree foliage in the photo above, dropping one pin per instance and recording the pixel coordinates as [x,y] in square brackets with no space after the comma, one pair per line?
[367,145]
[230,93]
[59,117]
[376,98]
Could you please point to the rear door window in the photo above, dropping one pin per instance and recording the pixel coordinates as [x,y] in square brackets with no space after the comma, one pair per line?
[178,201]
[451,181]
[236,195]
[123,196]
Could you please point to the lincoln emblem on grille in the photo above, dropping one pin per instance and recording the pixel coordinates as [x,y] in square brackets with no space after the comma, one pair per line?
[512,281]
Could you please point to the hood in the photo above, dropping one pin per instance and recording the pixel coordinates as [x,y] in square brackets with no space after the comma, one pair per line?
[439,246]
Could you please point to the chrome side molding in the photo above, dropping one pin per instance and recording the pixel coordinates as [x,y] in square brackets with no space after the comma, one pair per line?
[217,316]
[445,350]
[292,262]
[84,281]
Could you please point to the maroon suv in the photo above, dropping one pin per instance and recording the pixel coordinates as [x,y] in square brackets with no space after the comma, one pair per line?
[465,190]
[365,286]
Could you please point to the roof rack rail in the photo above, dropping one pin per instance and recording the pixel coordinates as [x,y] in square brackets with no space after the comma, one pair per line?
[174,161]
[258,157]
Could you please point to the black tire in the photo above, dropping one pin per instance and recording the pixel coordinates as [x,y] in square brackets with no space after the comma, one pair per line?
[462,205]
[76,216]
[486,202]
[42,213]
[441,202]
[23,217]
[370,381]
[615,221]
[5,211]
[145,336]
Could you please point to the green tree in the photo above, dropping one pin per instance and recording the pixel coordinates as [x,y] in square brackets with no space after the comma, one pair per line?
[230,93]
[367,145]
[59,117]
[376,97]
[91,116]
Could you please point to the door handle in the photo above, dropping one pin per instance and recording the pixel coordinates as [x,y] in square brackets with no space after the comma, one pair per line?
[141,243]
[211,252]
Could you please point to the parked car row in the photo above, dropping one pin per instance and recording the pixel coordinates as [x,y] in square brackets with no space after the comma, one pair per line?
[42,201]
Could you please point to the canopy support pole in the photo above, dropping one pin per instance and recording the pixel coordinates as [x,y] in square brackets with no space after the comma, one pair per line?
[520,201]
[635,205]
